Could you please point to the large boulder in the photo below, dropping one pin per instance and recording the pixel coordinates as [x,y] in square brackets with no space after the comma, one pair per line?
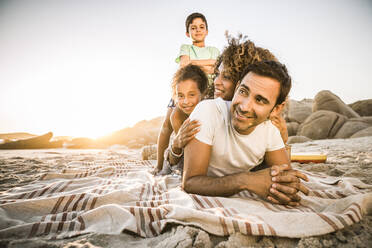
[38,142]
[292,128]
[326,100]
[350,127]
[363,133]
[363,107]
[84,143]
[322,124]
[142,133]
[298,139]
[365,119]
[298,111]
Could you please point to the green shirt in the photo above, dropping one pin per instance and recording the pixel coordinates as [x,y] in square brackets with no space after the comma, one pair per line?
[198,53]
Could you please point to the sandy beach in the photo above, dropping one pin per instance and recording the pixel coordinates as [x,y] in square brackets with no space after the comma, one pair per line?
[345,158]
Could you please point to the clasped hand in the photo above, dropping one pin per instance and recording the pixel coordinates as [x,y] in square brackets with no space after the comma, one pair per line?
[286,183]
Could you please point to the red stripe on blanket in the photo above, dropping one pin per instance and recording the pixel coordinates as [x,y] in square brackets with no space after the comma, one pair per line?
[77,202]
[92,205]
[352,218]
[359,208]
[131,209]
[31,195]
[158,214]
[206,200]
[248,228]
[142,190]
[47,228]
[34,229]
[199,203]
[67,184]
[72,226]
[68,203]
[154,233]
[21,196]
[340,194]
[55,188]
[329,221]
[82,223]
[56,206]
[261,230]
[224,226]
[329,195]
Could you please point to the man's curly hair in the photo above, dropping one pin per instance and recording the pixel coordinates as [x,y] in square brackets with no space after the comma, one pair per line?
[274,70]
[240,53]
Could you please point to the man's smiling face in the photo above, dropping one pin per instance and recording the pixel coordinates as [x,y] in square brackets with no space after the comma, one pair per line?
[253,102]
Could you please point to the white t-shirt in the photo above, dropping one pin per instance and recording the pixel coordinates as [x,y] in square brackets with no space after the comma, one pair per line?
[232,152]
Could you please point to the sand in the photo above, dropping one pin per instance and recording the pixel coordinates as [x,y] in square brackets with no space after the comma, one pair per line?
[349,157]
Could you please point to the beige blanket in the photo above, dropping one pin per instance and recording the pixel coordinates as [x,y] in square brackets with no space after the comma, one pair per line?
[115,196]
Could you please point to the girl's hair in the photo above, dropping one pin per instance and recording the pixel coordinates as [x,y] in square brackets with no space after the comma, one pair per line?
[192,72]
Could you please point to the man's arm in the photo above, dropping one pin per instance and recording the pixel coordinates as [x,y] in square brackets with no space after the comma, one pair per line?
[195,179]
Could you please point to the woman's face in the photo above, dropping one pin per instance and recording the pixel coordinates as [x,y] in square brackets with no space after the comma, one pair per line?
[223,87]
[187,95]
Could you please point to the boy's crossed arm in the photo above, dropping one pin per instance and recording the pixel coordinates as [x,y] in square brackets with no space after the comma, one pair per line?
[207,65]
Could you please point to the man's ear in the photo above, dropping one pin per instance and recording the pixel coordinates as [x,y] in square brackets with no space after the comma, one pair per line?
[187,34]
[277,110]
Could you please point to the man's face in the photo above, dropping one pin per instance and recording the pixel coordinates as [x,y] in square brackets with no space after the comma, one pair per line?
[253,102]
[197,30]
[223,87]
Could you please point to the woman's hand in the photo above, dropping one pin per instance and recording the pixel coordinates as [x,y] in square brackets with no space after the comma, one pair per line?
[187,132]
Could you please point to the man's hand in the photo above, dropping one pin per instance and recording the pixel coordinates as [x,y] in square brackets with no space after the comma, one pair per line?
[286,185]
[187,132]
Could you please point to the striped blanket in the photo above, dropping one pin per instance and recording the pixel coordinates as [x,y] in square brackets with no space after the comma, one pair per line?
[115,196]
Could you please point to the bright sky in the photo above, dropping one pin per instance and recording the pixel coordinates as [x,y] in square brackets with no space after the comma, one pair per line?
[88,68]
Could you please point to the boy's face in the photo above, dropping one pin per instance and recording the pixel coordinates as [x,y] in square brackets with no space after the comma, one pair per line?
[197,30]
[253,102]
[188,95]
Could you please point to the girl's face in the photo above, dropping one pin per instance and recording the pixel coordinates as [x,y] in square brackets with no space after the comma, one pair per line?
[188,95]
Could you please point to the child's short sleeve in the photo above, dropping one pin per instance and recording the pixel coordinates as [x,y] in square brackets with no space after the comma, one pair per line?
[184,50]
[214,52]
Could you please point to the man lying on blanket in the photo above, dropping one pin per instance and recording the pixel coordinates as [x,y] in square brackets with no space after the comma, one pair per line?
[235,137]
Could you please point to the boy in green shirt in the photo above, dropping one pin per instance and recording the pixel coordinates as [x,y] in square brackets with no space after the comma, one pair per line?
[197,54]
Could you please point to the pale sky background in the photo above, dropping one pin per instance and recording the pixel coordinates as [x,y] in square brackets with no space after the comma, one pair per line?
[88,68]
